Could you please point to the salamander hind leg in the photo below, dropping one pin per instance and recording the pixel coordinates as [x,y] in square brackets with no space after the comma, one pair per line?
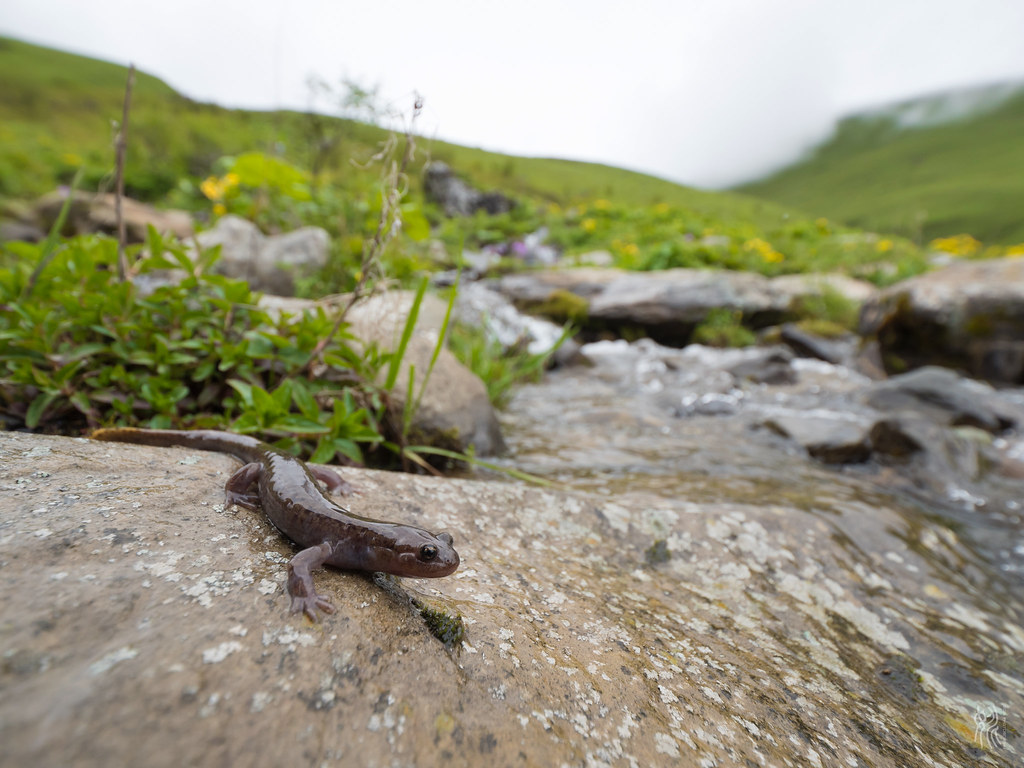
[334,482]
[300,582]
[239,487]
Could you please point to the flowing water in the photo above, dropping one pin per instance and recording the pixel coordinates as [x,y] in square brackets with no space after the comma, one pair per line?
[935,549]
[650,420]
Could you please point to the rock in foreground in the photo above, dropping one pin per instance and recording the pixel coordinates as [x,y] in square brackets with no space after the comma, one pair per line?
[144,624]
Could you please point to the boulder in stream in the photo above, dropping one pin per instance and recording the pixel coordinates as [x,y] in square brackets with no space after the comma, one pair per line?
[968,316]
[943,396]
[668,304]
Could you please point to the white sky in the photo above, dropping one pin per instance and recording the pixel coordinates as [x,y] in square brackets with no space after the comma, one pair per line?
[706,92]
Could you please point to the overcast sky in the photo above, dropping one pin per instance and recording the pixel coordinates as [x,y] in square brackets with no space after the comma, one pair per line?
[706,92]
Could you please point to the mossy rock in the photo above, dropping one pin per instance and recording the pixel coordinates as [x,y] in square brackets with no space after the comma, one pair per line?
[562,307]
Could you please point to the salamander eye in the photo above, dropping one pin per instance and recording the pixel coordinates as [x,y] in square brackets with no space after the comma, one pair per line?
[428,552]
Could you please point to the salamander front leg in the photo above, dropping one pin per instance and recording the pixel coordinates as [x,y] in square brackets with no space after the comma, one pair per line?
[300,582]
[238,488]
[334,482]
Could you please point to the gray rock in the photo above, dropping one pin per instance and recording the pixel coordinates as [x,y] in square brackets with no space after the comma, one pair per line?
[670,303]
[458,198]
[681,296]
[270,264]
[528,288]
[933,455]
[969,315]
[829,440]
[145,624]
[798,286]
[454,410]
[90,213]
[808,345]
[768,366]
[944,397]
[22,231]
[483,308]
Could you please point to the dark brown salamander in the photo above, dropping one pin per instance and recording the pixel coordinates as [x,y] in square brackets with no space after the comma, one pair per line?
[287,492]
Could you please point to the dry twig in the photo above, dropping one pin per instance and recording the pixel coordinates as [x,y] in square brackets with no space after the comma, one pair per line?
[120,145]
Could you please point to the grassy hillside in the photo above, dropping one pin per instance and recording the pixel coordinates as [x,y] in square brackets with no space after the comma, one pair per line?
[57,112]
[929,180]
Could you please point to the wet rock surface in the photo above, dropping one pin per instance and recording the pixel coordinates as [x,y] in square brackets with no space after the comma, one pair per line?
[940,395]
[716,598]
[683,423]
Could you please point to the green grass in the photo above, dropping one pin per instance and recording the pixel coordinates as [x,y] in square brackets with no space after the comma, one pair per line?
[55,118]
[56,110]
[966,175]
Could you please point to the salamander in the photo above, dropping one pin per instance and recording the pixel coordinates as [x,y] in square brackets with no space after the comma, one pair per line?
[287,491]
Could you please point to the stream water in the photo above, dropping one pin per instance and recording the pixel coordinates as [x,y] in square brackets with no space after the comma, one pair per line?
[655,421]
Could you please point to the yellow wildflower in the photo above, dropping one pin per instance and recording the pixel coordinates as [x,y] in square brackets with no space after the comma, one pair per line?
[211,188]
[661,209]
[589,225]
[764,248]
[884,245]
[1015,250]
[219,209]
[602,205]
[957,245]
[630,249]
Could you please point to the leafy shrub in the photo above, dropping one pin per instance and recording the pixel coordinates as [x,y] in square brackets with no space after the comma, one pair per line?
[80,348]
[497,368]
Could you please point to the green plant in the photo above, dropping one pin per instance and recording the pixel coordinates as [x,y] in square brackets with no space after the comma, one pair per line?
[723,327]
[830,305]
[498,368]
[80,348]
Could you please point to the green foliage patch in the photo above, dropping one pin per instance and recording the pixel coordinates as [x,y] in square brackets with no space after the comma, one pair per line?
[921,182]
[80,349]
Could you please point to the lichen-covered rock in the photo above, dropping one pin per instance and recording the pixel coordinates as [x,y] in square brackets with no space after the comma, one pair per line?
[142,623]
[969,315]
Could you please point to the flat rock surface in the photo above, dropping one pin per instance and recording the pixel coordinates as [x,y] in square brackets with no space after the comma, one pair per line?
[144,624]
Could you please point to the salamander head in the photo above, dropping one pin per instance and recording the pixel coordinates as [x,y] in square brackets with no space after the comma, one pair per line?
[422,555]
